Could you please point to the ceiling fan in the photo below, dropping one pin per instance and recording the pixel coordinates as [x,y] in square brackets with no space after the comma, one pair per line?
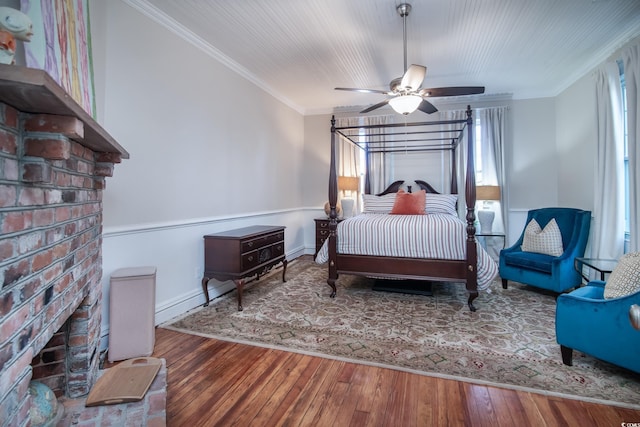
[406,94]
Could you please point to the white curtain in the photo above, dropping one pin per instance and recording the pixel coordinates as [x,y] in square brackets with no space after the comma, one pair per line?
[348,153]
[461,158]
[492,123]
[608,233]
[348,159]
[379,171]
[631,61]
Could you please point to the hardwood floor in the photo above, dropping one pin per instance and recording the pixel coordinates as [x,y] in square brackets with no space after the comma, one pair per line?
[218,383]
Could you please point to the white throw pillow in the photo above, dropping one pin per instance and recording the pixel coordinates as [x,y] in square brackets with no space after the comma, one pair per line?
[441,203]
[625,278]
[378,204]
[547,241]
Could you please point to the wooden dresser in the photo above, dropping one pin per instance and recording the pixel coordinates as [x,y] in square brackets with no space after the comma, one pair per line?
[241,253]
[322,232]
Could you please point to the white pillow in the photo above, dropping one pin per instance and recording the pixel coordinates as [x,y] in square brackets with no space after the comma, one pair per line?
[547,241]
[625,278]
[378,204]
[441,203]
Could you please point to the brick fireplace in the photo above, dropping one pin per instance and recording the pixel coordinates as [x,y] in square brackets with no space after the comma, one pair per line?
[54,159]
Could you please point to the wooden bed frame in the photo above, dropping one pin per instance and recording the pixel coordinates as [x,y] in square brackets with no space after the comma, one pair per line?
[409,268]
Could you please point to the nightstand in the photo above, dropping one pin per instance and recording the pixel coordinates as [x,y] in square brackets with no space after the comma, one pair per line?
[491,236]
[322,232]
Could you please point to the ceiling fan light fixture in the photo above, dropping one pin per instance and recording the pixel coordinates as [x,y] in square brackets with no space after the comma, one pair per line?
[405,104]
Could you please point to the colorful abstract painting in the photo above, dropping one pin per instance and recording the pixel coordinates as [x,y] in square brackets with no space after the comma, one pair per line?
[61,45]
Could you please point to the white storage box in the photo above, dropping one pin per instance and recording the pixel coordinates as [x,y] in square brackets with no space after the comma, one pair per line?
[132,305]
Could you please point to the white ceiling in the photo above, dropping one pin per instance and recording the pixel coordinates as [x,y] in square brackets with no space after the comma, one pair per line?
[299,50]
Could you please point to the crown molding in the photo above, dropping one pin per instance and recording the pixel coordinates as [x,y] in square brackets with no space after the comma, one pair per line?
[180,30]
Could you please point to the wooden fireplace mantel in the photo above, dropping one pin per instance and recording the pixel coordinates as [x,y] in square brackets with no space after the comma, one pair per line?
[30,90]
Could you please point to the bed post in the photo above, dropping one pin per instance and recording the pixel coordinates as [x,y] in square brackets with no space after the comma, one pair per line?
[454,169]
[333,215]
[367,175]
[470,195]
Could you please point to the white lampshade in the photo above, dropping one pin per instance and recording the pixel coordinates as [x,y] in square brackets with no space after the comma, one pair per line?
[405,104]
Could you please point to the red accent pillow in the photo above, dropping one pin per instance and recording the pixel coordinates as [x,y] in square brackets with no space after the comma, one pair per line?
[409,203]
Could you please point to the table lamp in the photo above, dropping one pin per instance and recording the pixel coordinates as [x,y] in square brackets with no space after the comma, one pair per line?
[348,183]
[486,216]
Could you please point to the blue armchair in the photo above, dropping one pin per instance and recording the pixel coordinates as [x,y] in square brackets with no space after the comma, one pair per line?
[599,327]
[554,273]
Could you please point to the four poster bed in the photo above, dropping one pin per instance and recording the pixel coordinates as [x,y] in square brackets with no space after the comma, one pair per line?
[436,245]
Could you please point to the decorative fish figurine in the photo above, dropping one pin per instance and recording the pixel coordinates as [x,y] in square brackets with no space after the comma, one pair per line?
[7,47]
[16,23]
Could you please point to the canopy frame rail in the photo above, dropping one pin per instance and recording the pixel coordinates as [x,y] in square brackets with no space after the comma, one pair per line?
[398,141]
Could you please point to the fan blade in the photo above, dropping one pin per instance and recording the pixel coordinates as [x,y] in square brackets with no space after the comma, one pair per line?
[413,77]
[353,89]
[452,91]
[376,106]
[427,107]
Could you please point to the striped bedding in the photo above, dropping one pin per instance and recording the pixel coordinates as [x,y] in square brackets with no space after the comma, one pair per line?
[442,237]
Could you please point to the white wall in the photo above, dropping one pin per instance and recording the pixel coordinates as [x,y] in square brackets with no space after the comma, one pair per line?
[210,151]
[531,162]
[576,138]
[201,137]
[317,156]
[577,146]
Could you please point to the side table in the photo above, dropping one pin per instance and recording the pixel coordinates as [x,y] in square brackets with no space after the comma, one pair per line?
[322,232]
[488,242]
[603,266]
[501,235]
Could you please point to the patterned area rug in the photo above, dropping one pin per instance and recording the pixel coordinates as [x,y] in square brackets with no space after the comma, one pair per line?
[509,342]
